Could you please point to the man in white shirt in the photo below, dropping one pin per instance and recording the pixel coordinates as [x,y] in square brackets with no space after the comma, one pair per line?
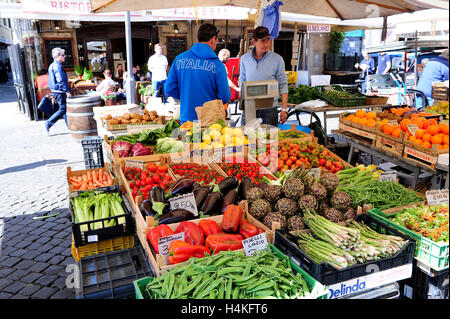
[157,64]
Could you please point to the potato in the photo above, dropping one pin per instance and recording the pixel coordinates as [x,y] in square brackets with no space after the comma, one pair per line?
[146,118]
[108,117]
[127,116]
[134,121]
[113,122]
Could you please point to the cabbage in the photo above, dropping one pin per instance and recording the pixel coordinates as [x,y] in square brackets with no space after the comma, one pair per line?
[140,149]
[164,145]
[123,148]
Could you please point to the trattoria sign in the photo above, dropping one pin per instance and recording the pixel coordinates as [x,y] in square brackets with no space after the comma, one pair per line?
[318,28]
[203,13]
[72,7]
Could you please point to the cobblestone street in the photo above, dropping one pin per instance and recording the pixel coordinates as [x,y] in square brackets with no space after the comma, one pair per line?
[34,253]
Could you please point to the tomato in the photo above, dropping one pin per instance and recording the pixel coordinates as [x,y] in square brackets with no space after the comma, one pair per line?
[327,164]
[289,163]
[156,178]
[162,169]
[151,167]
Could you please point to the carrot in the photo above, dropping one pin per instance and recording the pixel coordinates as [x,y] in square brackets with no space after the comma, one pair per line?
[100,174]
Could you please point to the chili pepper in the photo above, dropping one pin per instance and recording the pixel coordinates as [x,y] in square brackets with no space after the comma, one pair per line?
[209,227]
[231,218]
[223,241]
[156,233]
[180,251]
[247,229]
[193,234]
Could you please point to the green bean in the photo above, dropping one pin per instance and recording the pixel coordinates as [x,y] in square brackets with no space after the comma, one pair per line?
[165,285]
[247,269]
[266,285]
[223,260]
[227,270]
[206,281]
[237,264]
[228,288]
[213,285]
[171,284]
[221,291]
[236,293]
[264,293]
[212,294]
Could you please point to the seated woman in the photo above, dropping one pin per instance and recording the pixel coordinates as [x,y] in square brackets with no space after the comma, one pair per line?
[107,84]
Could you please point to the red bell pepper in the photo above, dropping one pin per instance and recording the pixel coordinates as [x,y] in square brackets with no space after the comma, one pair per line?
[247,229]
[193,234]
[180,251]
[156,233]
[231,218]
[209,227]
[223,241]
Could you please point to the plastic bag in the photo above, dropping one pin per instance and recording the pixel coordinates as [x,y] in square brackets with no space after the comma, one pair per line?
[313,103]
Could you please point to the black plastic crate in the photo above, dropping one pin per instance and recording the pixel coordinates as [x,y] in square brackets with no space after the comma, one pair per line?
[328,275]
[111,275]
[83,237]
[418,286]
[92,151]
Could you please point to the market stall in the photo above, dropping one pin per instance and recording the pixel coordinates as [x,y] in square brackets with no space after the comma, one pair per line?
[233,201]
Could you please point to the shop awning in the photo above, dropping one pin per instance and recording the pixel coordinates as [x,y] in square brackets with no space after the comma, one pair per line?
[340,9]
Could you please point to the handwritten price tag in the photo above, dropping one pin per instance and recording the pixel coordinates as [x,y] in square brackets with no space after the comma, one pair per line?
[164,243]
[186,202]
[390,176]
[437,197]
[134,163]
[315,172]
[254,244]
[412,128]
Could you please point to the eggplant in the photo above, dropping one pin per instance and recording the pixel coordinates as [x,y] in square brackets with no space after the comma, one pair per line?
[182,186]
[196,186]
[229,199]
[157,200]
[229,183]
[175,216]
[212,204]
[245,185]
[200,195]
[146,208]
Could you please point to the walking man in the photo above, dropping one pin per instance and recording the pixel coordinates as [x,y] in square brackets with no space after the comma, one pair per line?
[59,84]
[157,65]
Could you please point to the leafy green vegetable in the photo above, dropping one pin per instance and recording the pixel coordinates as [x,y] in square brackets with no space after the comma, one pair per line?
[302,94]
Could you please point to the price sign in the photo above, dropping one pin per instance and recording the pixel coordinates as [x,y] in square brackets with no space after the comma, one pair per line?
[134,163]
[390,176]
[137,128]
[392,122]
[186,202]
[412,128]
[164,243]
[437,197]
[315,172]
[92,239]
[254,244]
[136,109]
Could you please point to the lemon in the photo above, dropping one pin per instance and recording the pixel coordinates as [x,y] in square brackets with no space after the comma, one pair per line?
[237,132]
[215,135]
[216,145]
[206,139]
[215,127]
[205,146]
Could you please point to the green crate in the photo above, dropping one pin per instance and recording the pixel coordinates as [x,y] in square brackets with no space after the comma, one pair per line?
[140,284]
[427,251]
[355,100]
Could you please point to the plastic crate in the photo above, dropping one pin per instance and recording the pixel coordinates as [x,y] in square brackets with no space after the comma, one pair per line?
[328,275]
[139,285]
[434,255]
[92,151]
[111,275]
[342,102]
[83,237]
[104,246]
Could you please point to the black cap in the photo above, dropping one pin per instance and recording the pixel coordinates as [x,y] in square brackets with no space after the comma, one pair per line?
[261,33]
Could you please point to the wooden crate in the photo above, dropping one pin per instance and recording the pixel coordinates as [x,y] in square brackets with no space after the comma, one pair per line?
[106,168]
[422,155]
[440,92]
[376,100]
[307,137]
[389,143]
[170,163]
[159,263]
[113,156]
[368,134]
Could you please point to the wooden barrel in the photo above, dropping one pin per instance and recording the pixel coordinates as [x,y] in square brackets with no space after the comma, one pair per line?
[80,115]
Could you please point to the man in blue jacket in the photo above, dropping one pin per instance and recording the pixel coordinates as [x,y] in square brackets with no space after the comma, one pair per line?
[197,75]
[59,84]
[435,70]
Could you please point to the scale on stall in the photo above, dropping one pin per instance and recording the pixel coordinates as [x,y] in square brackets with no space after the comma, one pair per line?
[257,95]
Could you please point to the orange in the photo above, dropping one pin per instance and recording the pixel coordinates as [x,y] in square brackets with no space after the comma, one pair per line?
[427,144]
[432,122]
[356,119]
[350,117]
[425,123]
[371,115]
[442,146]
[396,132]
[445,139]
[404,124]
[419,133]
[397,126]
[443,128]
[383,123]
[406,109]
[412,139]
[363,121]
[436,139]
[371,123]
[388,128]
[393,110]
[433,130]
[361,113]
[426,137]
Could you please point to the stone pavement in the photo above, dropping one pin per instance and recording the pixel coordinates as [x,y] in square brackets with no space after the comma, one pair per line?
[34,253]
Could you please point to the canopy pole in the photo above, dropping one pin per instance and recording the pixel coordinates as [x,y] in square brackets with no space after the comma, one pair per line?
[130,86]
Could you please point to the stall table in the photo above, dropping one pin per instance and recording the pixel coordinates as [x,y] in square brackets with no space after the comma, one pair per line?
[83,85]
[406,163]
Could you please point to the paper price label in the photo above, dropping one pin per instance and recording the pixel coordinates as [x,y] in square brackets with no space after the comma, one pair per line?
[164,243]
[137,128]
[392,122]
[412,128]
[92,239]
[186,202]
[134,163]
[437,197]
[315,172]
[136,110]
[254,244]
[390,176]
